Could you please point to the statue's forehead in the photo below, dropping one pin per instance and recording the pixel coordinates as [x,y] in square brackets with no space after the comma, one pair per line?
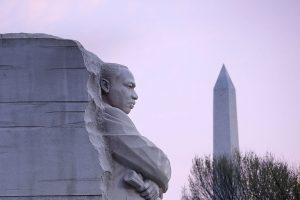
[126,75]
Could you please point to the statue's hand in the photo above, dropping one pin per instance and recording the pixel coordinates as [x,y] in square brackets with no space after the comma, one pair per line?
[151,191]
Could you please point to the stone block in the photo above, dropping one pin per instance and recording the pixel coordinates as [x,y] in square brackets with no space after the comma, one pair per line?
[45,150]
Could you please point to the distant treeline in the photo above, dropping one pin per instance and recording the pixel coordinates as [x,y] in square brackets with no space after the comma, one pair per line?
[242,177]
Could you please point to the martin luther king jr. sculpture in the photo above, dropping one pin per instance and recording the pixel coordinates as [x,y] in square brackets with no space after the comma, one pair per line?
[140,170]
[64,129]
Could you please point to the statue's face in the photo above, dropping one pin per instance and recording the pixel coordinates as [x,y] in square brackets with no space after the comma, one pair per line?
[121,93]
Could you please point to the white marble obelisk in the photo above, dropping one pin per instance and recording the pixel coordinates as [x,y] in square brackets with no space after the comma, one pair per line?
[225,126]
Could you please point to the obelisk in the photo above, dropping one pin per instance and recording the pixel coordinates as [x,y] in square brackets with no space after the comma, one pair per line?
[225,125]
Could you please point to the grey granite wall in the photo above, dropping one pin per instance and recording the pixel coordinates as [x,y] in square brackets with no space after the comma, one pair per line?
[45,149]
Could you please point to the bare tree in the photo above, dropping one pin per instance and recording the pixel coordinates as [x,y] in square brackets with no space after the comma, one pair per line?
[243,177]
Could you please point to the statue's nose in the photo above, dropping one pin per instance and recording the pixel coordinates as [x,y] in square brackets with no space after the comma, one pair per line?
[134,95]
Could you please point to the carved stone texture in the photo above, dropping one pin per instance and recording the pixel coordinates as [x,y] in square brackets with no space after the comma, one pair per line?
[45,149]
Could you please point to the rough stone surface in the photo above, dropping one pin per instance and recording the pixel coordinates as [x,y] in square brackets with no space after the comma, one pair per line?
[225,126]
[45,147]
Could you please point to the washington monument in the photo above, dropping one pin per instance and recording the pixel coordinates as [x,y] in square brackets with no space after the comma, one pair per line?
[225,125]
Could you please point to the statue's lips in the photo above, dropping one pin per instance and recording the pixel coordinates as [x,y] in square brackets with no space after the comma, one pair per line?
[131,105]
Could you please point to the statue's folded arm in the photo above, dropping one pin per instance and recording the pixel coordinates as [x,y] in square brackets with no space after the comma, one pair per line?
[138,153]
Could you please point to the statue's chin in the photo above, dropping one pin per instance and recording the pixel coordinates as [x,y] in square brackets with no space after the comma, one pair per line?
[125,110]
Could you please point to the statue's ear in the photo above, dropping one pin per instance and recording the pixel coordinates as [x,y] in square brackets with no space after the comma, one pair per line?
[105,85]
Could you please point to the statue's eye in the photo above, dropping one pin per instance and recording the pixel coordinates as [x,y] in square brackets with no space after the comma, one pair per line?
[130,85]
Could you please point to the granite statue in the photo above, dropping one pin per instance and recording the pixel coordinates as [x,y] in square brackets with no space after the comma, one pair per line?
[64,129]
[132,153]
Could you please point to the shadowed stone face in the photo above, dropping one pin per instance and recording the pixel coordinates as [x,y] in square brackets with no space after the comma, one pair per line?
[119,91]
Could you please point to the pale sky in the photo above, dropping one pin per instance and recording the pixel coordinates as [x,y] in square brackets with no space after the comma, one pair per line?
[176,49]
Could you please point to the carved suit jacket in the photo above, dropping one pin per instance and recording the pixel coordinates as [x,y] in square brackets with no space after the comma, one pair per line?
[133,151]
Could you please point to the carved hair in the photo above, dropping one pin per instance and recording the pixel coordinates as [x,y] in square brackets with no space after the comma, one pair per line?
[111,71]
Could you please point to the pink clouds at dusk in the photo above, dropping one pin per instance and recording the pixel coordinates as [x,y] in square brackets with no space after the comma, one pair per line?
[175,50]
